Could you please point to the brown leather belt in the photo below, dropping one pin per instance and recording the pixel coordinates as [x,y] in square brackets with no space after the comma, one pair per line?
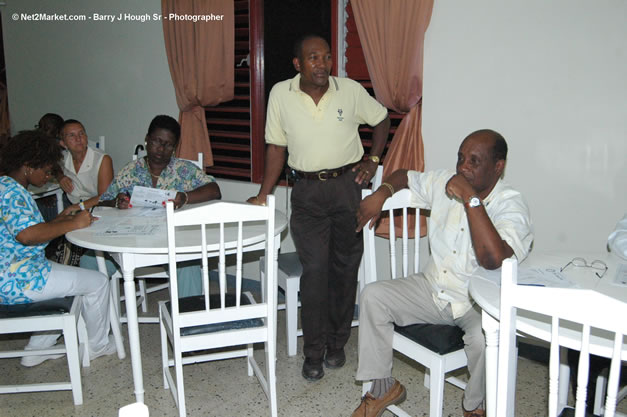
[325,174]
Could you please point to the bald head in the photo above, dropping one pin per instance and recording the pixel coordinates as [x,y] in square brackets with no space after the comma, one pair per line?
[481,160]
[494,139]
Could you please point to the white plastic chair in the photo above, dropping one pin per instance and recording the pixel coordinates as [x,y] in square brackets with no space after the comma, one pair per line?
[97,144]
[601,392]
[56,314]
[140,152]
[586,309]
[289,272]
[148,272]
[416,342]
[224,317]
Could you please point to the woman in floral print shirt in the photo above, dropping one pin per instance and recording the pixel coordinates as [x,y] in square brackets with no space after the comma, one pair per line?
[160,169]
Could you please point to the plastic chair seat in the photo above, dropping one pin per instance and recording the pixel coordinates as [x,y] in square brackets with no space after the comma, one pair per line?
[439,338]
[41,308]
[55,314]
[197,303]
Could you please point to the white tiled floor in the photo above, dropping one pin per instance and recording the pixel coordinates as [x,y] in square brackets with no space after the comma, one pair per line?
[224,389]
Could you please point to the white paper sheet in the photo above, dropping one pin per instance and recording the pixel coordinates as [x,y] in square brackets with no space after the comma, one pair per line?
[150,197]
[542,277]
[130,227]
[138,222]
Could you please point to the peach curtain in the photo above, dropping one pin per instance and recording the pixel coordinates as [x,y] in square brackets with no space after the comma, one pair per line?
[392,37]
[201,56]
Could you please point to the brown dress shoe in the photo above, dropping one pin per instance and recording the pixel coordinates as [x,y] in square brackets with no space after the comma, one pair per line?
[374,407]
[477,412]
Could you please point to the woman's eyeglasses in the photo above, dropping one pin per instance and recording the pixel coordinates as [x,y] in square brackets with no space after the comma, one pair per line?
[160,143]
[581,262]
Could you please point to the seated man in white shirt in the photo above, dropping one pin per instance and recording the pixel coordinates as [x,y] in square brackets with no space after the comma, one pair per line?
[476,220]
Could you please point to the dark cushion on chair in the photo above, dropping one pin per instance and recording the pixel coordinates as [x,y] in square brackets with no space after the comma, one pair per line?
[290,264]
[439,338]
[197,303]
[41,308]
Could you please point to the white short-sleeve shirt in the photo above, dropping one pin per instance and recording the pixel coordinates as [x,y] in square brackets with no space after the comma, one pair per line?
[86,179]
[453,259]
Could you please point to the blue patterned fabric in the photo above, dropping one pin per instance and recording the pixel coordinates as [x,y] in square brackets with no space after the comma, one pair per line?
[180,175]
[21,267]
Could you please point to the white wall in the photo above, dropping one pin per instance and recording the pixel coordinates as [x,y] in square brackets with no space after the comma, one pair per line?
[114,77]
[550,76]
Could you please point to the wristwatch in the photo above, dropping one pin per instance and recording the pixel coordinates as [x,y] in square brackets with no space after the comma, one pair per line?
[374,158]
[473,201]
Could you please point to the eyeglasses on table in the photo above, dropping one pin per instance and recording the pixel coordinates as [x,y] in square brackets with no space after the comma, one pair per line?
[582,263]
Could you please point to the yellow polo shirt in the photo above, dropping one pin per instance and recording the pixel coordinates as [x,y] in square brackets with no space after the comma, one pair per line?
[323,136]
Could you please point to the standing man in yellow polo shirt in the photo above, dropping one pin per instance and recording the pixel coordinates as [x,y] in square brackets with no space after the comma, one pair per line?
[316,118]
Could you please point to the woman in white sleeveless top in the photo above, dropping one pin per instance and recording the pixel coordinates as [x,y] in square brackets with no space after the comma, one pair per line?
[87,172]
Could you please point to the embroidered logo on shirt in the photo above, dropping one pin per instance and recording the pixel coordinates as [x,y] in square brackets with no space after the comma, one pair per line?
[339,115]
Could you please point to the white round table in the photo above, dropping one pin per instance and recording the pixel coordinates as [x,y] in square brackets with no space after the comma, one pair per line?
[487,295]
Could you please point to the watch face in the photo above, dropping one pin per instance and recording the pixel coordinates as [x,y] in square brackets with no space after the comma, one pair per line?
[474,202]
[374,159]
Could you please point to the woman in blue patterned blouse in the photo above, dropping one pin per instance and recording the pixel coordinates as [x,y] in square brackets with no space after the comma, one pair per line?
[26,276]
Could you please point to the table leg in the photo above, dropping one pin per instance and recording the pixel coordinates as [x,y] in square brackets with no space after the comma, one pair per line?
[491,330]
[114,317]
[133,331]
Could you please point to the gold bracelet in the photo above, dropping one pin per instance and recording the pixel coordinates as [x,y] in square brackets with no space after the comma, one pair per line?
[389,187]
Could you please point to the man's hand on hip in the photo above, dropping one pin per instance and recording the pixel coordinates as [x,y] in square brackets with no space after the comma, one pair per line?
[365,171]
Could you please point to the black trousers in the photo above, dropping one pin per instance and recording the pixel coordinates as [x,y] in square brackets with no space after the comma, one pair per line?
[323,226]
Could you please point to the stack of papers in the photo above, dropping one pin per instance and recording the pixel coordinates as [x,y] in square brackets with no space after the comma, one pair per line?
[540,277]
[150,197]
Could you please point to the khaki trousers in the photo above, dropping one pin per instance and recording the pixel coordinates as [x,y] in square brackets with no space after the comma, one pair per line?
[407,301]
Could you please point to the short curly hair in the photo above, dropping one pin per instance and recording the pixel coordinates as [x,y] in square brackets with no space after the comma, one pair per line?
[165,122]
[32,148]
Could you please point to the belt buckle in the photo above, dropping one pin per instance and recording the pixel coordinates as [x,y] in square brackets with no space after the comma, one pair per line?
[321,174]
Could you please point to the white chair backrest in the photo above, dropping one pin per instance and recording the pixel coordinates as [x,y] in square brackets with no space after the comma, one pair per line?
[198,162]
[401,200]
[378,178]
[209,220]
[140,152]
[587,308]
[97,144]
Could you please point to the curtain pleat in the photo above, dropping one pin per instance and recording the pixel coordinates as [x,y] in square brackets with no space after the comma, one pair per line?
[392,37]
[201,57]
